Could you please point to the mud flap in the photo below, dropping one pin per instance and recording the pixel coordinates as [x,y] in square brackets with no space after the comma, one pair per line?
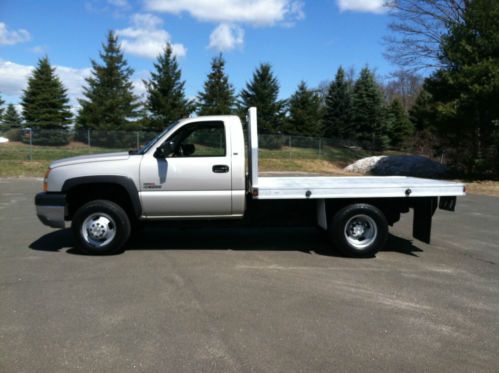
[424,208]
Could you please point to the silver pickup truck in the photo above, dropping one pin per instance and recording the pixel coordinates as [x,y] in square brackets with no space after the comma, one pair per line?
[197,170]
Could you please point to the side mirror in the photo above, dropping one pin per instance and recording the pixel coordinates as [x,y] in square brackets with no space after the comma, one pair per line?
[160,153]
[164,150]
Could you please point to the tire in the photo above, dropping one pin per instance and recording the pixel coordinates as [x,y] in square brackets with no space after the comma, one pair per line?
[101,227]
[358,230]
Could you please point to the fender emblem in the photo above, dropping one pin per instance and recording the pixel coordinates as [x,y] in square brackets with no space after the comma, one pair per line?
[151,186]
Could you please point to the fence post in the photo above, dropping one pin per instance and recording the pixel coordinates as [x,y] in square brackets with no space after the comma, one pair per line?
[30,144]
[88,140]
[320,147]
[289,143]
[138,140]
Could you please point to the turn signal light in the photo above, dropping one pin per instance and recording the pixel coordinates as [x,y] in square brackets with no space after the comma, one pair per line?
[46,180]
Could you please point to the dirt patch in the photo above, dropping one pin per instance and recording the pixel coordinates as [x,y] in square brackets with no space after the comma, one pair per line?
[315,166]
[487,187]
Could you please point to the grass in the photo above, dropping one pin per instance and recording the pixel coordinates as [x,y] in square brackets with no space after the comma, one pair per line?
[486,187]
[15,158]
[339,155]
[22,152]
[316,166]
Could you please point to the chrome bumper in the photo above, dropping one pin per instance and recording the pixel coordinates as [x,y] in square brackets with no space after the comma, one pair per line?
[51,209]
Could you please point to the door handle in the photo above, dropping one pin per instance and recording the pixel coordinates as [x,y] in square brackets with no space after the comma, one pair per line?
[220,169]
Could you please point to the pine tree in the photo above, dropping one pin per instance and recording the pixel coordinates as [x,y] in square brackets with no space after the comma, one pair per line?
[399,126]
[109,102]
[263,92]
[11,118]
[338,112]
[305,117]
[422,113]
[465,91]
[367,117]
[2,102]
[218,94]
[166,101]
[46,105]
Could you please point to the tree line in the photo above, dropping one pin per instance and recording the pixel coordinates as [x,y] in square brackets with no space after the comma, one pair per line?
[354,110]
[458,107]
[453,113]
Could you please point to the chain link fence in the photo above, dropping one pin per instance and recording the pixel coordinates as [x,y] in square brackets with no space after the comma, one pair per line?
[35,144]
[28,152]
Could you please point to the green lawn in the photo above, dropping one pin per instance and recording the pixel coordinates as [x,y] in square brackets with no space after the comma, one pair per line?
[15,157]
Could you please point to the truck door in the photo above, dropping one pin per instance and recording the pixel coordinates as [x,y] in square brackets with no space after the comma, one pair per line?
[192,177]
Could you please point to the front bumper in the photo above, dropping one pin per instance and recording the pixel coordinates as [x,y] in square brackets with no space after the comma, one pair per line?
[51,209]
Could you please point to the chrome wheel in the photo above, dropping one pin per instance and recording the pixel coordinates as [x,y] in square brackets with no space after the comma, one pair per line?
[360,231]
[98,229]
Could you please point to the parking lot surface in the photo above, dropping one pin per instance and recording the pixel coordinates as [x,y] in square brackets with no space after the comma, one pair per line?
[248,300]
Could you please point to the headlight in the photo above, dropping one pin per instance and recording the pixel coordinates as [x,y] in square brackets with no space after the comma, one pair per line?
[46,180]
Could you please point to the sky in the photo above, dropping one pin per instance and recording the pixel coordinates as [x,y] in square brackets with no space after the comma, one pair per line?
[302,39]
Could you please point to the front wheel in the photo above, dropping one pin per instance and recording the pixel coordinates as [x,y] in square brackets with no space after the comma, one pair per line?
[100,227]
[359,230]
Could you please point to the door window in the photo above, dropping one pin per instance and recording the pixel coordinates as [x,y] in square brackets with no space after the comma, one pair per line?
[202,139]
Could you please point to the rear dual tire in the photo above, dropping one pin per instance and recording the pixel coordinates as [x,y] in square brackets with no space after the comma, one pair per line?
[101,227]
[358,230]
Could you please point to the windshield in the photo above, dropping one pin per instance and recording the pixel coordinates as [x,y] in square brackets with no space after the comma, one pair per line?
[148,146]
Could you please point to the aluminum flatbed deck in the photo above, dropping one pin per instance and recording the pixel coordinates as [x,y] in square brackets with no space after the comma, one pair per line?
[319,187]
[328,187]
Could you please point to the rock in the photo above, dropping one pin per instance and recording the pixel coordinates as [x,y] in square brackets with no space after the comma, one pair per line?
[398,165]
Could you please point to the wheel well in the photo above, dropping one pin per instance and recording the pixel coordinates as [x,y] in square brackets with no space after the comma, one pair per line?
[81,194]
[391,207]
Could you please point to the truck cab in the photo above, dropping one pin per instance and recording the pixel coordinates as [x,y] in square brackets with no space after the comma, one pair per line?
[196,169]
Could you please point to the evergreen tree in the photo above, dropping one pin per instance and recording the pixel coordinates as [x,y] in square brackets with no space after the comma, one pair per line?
[166,101]
[263,92]
[2,102]
[109,102]
[367,105]
[465,93]
[218,94]
[46,105]
[421,113]
[11,118]
[399,126]
[338,112]
[305,116]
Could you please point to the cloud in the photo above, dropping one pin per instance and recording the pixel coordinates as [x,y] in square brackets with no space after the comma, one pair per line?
[117,8]
[146,38]
[119,3]
[14,79]
[8,37]
[226,37]
[38,49]
[367,6]
[255,12]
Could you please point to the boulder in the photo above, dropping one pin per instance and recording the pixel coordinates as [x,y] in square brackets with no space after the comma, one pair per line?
[398,165]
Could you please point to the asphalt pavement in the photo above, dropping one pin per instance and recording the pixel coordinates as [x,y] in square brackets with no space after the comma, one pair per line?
[249,300]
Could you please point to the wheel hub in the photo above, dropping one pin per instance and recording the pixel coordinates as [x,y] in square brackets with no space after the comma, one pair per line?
[98,229]
[360,231]
[357,230]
